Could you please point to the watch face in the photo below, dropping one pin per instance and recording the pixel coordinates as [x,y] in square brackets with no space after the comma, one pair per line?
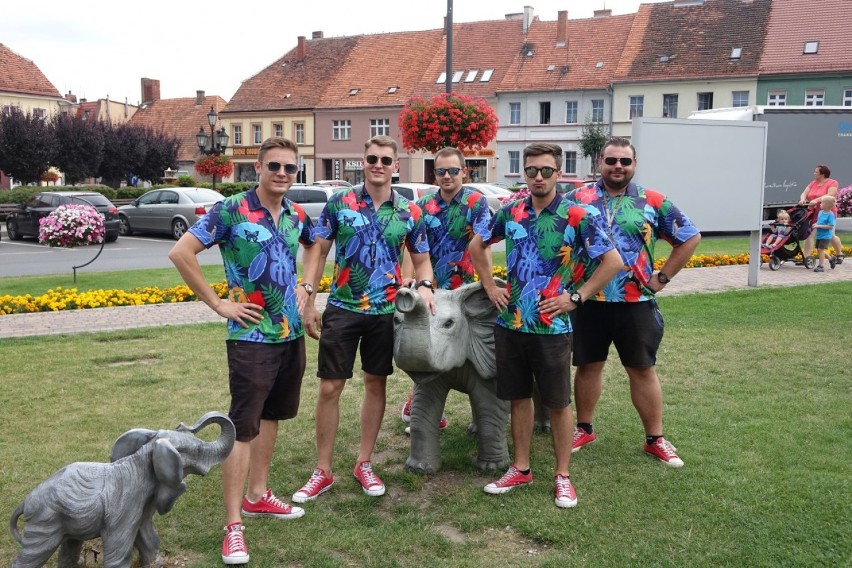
[576,298]
[662,278]
[427,284]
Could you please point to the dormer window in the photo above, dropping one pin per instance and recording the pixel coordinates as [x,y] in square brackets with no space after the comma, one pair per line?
[353,92]
[486,75]
[392,90]
[736,53]
[457,76]
[442,78]
[811,47]
[471,76]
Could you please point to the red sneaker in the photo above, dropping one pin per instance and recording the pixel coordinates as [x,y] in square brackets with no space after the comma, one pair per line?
[234,549]
[406,411]
[271,506]
[664,451]
[581,438]
[318,484]
[370,482]
[511,479]
[565,494]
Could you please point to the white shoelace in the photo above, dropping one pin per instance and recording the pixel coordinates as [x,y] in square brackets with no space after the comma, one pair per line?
[508,475]
[563,486]
[314,482]
[667,448]
[273,500]
[236,542]
[369,476]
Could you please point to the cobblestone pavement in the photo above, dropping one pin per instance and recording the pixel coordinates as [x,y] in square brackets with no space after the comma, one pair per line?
[691,280]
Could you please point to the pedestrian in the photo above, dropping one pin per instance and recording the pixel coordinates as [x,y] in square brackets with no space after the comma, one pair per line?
[258,233]
[368,224]
[821,187]
[452,216]
[825,225]
[625,312]
[546,237]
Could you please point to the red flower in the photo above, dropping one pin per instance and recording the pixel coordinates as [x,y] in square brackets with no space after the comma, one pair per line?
[586,194]
[448,119]
[631,292]
[416,212]
[575,215]
[219,166]
[256,297]
[343,277]
[654,198]
[432,207]
[519,212]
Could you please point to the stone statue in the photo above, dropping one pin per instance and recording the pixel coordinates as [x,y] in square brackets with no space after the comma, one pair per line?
[116,501]
[451,350]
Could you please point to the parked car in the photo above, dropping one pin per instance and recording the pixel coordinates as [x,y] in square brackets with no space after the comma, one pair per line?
[172,210]
[336,183]
[312,198]
[24,222]
[565,185]
[414,191]
[493,193]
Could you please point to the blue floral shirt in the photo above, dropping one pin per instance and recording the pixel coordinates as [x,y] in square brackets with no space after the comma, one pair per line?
[260,261]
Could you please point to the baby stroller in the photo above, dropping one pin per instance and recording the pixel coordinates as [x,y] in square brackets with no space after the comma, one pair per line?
[788,248]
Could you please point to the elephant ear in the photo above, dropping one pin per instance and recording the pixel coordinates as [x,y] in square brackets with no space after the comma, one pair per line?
[481,315]
[129,443]
[168,468]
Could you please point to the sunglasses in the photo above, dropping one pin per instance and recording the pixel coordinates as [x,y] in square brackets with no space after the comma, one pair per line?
[290,169]
[612,161]
[441,172]
[386,160]
[546,172]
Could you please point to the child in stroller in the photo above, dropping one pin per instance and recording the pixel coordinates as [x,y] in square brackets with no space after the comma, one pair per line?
[777,231]
[781,248]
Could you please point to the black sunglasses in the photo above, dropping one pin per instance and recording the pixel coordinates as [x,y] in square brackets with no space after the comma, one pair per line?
[546,172]
[441,172]
[291,169]
[386,160]
[612,161]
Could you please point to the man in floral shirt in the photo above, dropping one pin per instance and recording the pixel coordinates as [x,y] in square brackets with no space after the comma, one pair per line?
[548,243]
[625,311]
[368,225]
[453,216]
[258,233]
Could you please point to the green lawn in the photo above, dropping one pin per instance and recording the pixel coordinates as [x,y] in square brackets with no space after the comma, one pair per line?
[761,418]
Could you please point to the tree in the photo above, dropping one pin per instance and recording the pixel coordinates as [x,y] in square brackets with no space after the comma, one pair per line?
[27,145]
[125,148]
[592,141]
[448,119]
[80,147]
[161,153]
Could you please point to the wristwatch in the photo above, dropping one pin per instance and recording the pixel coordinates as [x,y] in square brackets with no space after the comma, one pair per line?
[426,284]
[308,288]
[576,298]
[661,276]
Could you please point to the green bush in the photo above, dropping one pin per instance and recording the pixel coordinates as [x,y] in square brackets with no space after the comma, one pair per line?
[22,193]
[186,181]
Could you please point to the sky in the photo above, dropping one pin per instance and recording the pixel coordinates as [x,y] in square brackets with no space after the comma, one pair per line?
[98,49]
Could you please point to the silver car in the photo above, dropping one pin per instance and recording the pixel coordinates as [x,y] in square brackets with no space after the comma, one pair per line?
[492,193]
[312,198]
[171,210]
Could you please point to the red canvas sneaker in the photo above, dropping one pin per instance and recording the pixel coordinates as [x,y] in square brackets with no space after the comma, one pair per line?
[511,479]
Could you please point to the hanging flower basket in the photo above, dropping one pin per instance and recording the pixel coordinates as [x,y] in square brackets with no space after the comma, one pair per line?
[447,120]
[51,175]
[71,226]
[219,166]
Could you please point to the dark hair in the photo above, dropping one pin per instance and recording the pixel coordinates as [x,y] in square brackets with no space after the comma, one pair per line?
[544,148]
[823,169]
[618,142]
[382,141]
[450,151]
[276,142]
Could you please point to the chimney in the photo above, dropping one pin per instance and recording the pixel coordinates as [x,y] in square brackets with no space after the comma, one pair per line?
[528,18]
[199,98]
[300,49]
[317,35]
[150,90]
[71,98]
[603,13]
[562,28]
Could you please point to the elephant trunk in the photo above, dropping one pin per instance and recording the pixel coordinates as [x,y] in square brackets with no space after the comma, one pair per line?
[413,339]
[211,453]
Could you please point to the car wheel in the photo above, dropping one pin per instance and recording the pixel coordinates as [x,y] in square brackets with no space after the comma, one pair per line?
[12,230]
[178,228]
[124,226]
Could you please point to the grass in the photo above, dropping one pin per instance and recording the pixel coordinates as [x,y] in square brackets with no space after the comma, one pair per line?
[760,416]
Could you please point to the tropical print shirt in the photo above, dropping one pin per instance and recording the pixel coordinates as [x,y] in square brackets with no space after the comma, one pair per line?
[634,222]
[542,258]
[368,245]
[450,228]
[260,261]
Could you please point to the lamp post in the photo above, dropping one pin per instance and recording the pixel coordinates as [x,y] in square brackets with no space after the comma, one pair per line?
[218,139]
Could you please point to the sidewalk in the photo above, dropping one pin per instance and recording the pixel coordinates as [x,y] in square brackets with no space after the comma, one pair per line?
[691,280]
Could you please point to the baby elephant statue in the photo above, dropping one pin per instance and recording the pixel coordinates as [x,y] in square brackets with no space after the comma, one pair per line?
[116,501]
[452,350]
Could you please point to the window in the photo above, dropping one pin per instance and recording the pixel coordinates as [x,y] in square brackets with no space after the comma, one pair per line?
[237,134]
[278,129]
[597,110]
[341,129]
[814,97]
[514,113]
[637,106]
[514,162]
[544,112]
[379,127]
[570,164]
[776,98]
[299,132]
[442,78]
[847,98]
[739,98]
[486,75]
[457,76]
[670,106]
[571,112]
[471,76]
[7,110]
[256,134]
[736,52]
[705,101]
[810,47]
[40,113]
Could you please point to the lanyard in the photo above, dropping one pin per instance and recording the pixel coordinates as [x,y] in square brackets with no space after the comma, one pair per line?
[612,208]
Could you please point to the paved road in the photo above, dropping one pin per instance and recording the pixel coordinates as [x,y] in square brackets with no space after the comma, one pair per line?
[692,280]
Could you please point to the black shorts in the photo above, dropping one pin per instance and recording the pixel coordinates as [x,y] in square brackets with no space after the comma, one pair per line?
[526,357]
[265,380]
[342,330]
[823,243]
[636,329]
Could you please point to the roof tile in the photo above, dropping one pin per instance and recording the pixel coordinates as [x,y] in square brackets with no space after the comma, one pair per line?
[20,75]
[180,117]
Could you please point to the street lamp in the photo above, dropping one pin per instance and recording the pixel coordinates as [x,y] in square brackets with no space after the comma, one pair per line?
[218,139]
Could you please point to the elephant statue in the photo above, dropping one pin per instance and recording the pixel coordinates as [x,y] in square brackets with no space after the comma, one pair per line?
[452,350]
[116,501]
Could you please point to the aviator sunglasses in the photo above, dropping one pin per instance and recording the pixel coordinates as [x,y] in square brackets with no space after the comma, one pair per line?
[546,172]
[440,172]
[612,161]
[386,160]
[290,169]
